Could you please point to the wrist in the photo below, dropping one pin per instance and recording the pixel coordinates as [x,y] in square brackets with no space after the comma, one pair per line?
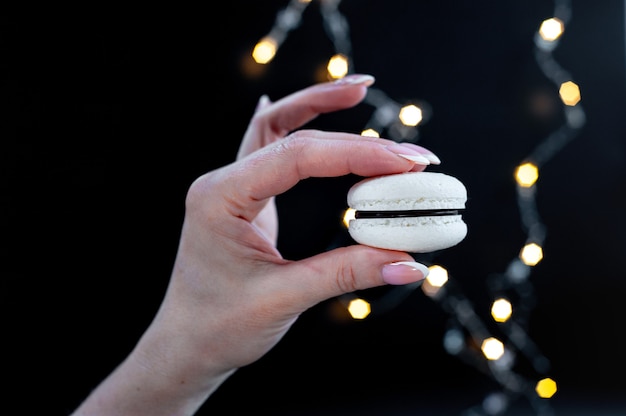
[162,376]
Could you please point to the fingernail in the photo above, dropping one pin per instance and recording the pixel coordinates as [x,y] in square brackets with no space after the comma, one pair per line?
[356,79]
[264,101]
[432,158]
[404,272]
[409,154]
[420,160]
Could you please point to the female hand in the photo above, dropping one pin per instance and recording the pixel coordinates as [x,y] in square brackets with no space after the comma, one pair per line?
[232,296]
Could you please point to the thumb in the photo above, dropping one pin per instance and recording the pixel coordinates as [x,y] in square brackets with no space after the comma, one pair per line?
[347,269]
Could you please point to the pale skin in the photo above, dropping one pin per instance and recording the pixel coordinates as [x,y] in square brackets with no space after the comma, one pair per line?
[232,296]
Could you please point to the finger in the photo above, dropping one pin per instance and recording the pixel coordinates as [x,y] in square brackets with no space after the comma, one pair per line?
[274,121]
[304,154]
[303,106]
[345,270]
[263,103]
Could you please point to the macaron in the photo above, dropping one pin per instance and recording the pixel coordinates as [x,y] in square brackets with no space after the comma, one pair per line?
[416,212]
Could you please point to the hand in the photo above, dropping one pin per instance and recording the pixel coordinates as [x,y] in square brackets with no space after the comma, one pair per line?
[232,296]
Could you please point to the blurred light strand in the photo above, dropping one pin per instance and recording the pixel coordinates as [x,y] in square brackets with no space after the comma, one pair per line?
[467,336]
[391,119]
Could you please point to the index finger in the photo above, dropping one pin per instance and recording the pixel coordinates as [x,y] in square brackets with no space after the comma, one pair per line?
[295,110]
[275,120]
[276,168]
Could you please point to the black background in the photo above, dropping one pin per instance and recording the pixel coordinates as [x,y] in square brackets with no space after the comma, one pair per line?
[110,113]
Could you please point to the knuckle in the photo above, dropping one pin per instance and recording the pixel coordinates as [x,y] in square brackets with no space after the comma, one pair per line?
[291,146]
[299,139]
[346,279]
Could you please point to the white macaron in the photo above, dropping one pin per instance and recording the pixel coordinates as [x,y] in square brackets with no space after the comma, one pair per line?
[416,212]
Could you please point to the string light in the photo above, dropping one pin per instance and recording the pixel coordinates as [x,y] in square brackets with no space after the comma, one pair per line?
[546,388]
[399,122]
[434,282]
[337,66]
[286,20]
[526,174]
[531,254]
[386,117]
[501,310]
[410,115]
[348,215]
[370,133]
[437,276]
[570,93]
[551,29]
[359,308]
[492,348]
[265,50]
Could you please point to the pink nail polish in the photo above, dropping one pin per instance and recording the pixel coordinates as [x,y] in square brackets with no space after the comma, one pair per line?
[418,159]
[404,272]
[432,158]
[356,79]
[409,153]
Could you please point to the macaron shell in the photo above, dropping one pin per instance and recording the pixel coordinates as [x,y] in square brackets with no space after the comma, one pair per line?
[413,235]
[406,191]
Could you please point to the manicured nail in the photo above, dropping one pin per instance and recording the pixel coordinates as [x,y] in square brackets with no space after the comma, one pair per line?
[356,79]
[404,272]
[432,158]
[409,154]
[419,159]
[264,101]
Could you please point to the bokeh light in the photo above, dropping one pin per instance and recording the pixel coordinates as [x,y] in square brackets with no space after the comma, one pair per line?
[453,341]
[347,216]
[492,348]
[526,174]
[436,279]
[359,308]
[551,29]
[265,50]
[438,275]
[337,66]
[569,93]
[501,310]
[370,133]
[546,388]
[531,254]
[397,122]
[410,115]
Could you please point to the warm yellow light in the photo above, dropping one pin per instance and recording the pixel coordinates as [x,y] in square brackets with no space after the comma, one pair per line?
[546,388]
[531,254]
[265,50]
[429,290]
[438,276]
[501,310]
[337,66]
[370,133]
[410,115]
[570,93]
[551,29]
[347,216]
[359,308]
[526,174]
[436,279]
[492,348]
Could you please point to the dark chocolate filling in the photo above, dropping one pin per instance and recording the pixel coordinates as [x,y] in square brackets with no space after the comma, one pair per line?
[406,213]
